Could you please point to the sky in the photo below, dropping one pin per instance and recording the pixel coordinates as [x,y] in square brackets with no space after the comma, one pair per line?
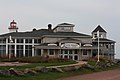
[84,14]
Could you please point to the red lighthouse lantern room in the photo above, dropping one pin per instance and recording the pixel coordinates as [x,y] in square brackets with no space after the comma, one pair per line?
[13,26]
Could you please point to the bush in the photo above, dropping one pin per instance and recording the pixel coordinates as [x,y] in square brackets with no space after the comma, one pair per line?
[36,59]
[9,60]
[31,59]
[39,59]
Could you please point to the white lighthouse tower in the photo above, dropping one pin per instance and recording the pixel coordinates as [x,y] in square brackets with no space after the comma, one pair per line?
[13,27]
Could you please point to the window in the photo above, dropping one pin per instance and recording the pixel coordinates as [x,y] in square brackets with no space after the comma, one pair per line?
[112,46]
[75,57]
[66,57]
[19,51]
[71,57]
[70,51]
[84,52]
[106,46]
[76,51]
[61,56]
[61,51]
[95,35]
[66,51]
[100,35]
[28,40]
[2,40]
[38,52]
[28,50]
[19,40]
[11,49]
[51,52]
[2,50]
[37,40]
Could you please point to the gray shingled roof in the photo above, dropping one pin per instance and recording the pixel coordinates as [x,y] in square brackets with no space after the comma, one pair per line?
[69,40]
[104,40]
[41,32]
[99,28]
[70,34]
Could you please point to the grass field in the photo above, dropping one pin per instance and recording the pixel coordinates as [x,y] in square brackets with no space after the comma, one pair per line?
[39,76]
[51,75]
[46,76]
[33,65]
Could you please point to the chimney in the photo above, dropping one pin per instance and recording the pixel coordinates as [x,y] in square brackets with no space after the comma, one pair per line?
[34,29]
[50,27]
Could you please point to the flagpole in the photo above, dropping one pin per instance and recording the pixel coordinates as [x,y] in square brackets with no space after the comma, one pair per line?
[98,47]
[10,48]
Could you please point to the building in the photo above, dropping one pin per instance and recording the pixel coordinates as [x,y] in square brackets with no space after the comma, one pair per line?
[61,41]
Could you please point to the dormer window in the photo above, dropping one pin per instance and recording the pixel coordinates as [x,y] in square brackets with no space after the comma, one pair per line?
[95,35]
[102,32]
[100,35]
[64,27]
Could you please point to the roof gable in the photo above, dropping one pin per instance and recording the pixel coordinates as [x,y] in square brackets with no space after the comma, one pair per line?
[65,24]
[99,28]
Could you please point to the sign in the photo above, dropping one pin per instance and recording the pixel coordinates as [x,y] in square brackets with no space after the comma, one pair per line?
[52,44]
[70,45]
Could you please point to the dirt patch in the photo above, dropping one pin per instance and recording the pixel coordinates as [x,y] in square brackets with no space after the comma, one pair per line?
[104,75]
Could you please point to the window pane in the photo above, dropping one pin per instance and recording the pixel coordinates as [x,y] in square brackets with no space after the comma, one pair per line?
[28,50]
[19,40]
[66,51]
[70,51]
[51,52]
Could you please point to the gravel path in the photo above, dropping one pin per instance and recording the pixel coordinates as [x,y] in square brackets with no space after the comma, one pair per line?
[12,64]
[104,75]
[77,64]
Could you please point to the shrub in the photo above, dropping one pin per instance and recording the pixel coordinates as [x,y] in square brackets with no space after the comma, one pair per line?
[9,60]
[36,59]
[39,59]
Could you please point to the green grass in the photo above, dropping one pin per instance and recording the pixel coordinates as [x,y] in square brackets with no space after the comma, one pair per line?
[40,76]
[92,62]
[52,75]
[46,76]
[33,65]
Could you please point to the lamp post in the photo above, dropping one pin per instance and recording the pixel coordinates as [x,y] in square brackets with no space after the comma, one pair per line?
[10,48]
[98,47]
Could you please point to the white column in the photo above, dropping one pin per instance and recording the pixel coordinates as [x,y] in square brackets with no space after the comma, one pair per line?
[41,52]
[63,53]
[91,53]
[23,47]
[7,46]
[48,53]
[33,51]
[72,54]
[68,54]
[15,48]
[78,57]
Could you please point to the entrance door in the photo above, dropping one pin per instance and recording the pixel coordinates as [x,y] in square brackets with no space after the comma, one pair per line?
[75,57]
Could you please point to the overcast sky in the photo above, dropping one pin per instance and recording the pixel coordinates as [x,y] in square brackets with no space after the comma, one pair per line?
[85,14]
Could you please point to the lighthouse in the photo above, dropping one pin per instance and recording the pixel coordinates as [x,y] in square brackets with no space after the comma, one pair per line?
[13,27]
